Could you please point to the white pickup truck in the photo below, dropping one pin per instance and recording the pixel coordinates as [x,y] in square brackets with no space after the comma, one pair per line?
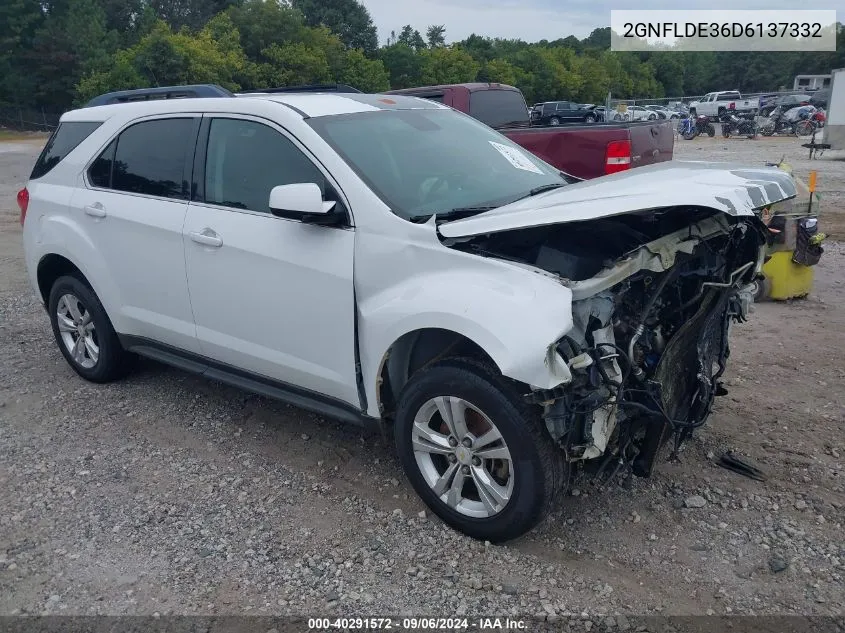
[714,103]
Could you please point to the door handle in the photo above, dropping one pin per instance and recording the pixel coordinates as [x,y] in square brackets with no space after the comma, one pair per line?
[95,210]
[207,237]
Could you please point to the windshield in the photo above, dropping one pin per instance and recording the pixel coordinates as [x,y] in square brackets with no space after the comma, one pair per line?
[422,162]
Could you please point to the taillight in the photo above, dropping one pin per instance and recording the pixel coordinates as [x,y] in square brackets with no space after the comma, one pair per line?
[732,106]
[23,202]
[617,157]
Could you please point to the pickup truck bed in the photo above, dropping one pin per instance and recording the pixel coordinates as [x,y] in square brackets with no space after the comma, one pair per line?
[582,150]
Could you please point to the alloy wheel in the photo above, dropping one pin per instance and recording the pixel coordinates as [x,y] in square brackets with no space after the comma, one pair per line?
[76,327]
[463,457]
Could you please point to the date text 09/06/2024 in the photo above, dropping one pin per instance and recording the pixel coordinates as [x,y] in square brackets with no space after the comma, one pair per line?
[417,624]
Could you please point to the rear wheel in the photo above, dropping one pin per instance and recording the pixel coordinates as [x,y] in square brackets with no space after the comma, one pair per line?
[804,128]
[84,332]
[711,130]
[475,452]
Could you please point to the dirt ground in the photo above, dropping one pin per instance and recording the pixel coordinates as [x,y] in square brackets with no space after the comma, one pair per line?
[169,494]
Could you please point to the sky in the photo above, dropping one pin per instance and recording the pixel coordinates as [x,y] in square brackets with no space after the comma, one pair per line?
[533,20]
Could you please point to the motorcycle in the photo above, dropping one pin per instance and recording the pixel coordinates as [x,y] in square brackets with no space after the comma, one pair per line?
[689,128]
[741,124]
[777,123]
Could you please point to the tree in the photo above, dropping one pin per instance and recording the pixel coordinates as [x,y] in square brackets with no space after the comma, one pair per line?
[20,20]
[164,58]
[262,23]
[403,65]
[411,37]
[348,19]
[436,35]
[448,66]
[191,13]
[367,75]
[71,42]
[499,71]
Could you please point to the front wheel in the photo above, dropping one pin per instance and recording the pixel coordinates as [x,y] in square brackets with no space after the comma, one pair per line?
[767,130]
[690,134]
[475,452]
[711,130]
[590,118]
[554,121]
[726,130]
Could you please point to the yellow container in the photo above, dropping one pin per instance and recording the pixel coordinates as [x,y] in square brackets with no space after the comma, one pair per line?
[785,279]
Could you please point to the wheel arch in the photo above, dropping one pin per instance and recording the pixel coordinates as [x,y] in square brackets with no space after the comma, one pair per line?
[50,268]
[416,350]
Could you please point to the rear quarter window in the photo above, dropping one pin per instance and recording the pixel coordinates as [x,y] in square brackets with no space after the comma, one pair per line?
[63,141]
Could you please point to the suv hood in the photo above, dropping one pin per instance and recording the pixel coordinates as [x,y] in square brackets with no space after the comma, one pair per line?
[734,189]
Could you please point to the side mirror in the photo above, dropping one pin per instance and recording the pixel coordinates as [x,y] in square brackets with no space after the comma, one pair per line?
[301,201]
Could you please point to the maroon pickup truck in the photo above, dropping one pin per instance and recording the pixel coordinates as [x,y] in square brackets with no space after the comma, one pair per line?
[581,150]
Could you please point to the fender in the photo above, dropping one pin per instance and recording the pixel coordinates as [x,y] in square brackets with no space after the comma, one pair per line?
[513,313]
[60,235]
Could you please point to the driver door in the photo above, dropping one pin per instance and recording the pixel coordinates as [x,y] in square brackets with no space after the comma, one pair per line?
[271,296]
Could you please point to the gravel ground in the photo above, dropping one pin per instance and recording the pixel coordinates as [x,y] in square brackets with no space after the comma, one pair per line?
[169,494]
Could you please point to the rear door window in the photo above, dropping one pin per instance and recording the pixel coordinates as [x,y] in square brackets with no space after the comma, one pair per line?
[63,141]
[150,158]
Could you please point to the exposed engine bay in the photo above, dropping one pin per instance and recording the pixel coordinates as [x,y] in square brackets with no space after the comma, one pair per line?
[654,296]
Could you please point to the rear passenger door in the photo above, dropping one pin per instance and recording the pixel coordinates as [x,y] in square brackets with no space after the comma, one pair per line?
[271,296]
[133,209]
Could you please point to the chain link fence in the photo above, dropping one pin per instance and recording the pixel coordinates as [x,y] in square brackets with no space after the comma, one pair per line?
[28,119]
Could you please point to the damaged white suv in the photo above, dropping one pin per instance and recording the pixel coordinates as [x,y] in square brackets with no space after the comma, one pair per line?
[385,258]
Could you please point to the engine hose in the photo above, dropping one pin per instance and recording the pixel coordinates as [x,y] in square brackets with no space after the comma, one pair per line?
[638,332]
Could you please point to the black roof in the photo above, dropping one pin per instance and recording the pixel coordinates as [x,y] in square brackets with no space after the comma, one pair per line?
[165,92]
[198,91]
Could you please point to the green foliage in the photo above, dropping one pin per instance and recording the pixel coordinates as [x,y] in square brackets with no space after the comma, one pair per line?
[447,66]
[348,19]
[436,35]
[57,52]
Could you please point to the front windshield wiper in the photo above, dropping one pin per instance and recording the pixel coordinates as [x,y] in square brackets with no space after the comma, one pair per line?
[453,214]
[544,188]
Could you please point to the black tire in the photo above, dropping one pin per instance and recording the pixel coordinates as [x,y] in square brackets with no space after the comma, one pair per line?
[690,134]
[726,130]
[113,362]
[711,130]
[554,121]
[767,130]
[590,118]
[539,469]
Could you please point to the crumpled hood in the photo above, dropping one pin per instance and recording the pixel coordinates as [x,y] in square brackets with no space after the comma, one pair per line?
[735,189]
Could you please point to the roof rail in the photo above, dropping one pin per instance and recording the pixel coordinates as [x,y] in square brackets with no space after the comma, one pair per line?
[165,92]
[305,88]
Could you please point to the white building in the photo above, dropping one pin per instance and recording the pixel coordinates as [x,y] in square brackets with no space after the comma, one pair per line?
[811,82]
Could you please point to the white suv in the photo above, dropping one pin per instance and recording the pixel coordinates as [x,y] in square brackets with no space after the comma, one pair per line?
[387,259]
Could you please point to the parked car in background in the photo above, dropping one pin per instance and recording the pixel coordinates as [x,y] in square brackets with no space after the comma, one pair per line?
[820,98]
[766,102]
[786,102]
[558,112]
[391,262]
[663,112]
[581,150]
[678,106]
[639,113]
[713,104]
